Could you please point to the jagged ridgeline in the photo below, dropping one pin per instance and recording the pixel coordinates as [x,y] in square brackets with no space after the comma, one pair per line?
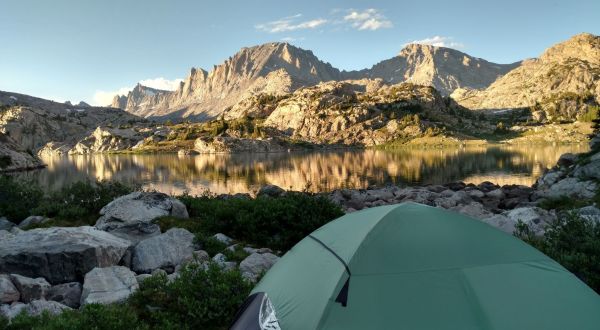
[280,68]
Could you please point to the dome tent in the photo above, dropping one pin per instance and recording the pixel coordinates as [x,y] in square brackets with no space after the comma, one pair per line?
[411,266]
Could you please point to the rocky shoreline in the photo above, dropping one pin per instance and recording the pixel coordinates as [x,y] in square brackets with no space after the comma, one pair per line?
[61,268]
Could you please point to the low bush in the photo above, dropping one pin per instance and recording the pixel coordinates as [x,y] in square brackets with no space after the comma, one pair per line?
[573,242]
[210,244]
[278,223]
[79,202]
[562,203]
[18,198]
[197,299]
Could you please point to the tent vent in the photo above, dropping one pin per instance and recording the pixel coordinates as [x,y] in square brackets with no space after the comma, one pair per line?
[342,297]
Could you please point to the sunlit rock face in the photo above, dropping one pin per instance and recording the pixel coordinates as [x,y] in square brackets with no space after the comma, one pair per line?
[280,68]
[561,84]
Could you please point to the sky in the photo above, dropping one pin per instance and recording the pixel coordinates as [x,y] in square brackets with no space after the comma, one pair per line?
[89,50]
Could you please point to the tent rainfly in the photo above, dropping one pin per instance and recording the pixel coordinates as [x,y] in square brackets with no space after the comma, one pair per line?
[411,266]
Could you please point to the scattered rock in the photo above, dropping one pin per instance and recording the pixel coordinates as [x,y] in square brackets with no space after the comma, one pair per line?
[186,152]
[8,291]
[37,307]
[12,310]
[496,194]
[501,222]
[60,254]
[270,190]
[536,218]
[68,294]
[223,238]
[30,288]
[31,220]
[108,285]
[473,209]
[590,213]
[256,263]
[165,251]
[131,216]
[566,160]
[140,278]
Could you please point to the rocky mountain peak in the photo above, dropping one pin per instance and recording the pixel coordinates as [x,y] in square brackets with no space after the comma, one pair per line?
[583,46]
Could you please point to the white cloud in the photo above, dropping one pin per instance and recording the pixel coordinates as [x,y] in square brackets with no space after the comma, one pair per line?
[162,83]
[369,19]
[290,23]
[438,41]
[104,98]
[291,39]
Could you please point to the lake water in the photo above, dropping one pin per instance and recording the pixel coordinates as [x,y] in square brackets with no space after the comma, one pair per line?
[315,171]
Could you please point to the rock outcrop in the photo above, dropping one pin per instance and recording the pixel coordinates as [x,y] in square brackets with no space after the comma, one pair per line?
[33,122]
[105,139]
[563,84]
[13,157]
[226,144]
[130,216]
[59,254]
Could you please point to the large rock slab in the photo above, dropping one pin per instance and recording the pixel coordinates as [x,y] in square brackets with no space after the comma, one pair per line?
[256,263]
[569,187]
[8,291]
[131,216]
[501,222]
[5,224]
[30,288]
[60,254]
[589,171]
[68,294]
[108,285]
[165,251]
[534,217]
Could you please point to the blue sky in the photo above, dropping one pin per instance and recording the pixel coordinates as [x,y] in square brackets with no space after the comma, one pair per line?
[86,50]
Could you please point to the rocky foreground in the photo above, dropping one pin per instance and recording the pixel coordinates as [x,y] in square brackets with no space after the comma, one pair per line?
[59,268]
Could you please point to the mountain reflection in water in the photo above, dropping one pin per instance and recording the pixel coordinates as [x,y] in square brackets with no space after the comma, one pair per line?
[315,171]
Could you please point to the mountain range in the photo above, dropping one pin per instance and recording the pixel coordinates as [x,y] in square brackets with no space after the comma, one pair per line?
[281,68]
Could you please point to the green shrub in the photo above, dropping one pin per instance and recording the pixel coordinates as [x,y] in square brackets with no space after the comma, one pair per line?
[562,203]
[238,254]
[192,224]
[197,299]
[80,199]
[17,198]
[210,244]
[573,242]
[278,223]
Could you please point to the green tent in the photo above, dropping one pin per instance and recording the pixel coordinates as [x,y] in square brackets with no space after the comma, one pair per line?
[411,266]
